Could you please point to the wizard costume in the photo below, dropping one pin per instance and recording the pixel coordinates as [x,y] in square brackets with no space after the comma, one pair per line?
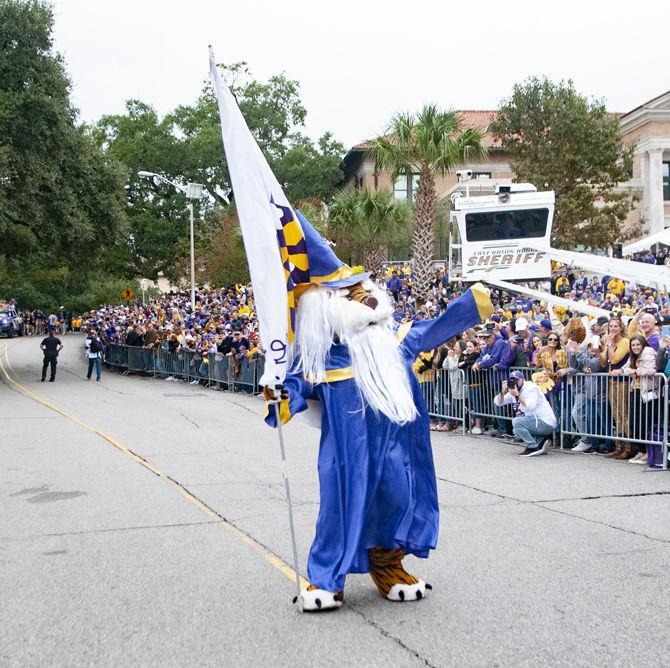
[377,479]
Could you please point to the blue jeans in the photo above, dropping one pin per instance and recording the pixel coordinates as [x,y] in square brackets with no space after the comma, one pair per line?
[579,413]
[600,422]
[560,390]
[97,362]
[531,430]
[502,422]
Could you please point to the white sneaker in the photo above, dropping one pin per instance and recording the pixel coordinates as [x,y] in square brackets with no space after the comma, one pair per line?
[170,378]
[546,446]
[194,382]
[580,447]
[476,431]
[640,458]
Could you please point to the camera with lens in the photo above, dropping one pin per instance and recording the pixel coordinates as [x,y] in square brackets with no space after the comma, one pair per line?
[511,383]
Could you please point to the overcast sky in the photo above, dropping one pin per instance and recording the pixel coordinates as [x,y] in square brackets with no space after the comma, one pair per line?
[359,62]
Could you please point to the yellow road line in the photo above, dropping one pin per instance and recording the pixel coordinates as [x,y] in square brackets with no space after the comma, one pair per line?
[270,557]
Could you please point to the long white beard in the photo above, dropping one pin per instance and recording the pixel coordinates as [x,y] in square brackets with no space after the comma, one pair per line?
[379,370]
[380,373]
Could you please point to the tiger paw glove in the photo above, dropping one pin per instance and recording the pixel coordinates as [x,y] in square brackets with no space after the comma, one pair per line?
[275,394]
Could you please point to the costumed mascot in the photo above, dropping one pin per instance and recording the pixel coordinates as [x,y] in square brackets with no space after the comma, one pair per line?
[378,495]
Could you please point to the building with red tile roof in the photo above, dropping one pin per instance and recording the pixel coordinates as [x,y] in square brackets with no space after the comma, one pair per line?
[647,126]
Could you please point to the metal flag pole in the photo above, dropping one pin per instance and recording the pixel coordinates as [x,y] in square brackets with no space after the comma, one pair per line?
[288,501]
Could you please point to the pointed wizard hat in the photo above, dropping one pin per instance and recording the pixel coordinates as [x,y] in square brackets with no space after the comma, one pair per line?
[325,268]
[308,258]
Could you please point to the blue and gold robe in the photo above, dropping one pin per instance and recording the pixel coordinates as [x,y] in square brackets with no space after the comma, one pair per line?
[377,479]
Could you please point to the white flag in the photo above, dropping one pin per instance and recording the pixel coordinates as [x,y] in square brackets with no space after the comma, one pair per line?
[273,237]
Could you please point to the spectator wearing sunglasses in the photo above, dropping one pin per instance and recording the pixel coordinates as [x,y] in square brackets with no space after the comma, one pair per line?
[554,360]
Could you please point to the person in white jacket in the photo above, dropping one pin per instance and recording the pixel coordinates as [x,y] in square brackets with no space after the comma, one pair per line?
[644,413]
[535,420]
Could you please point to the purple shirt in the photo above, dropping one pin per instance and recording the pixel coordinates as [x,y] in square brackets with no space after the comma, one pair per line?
[654,341]
[495,356]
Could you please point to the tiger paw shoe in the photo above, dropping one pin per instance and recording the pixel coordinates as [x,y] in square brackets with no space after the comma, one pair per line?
[314,599]
[392,580]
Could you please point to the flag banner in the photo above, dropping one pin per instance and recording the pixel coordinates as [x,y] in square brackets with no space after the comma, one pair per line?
[579,307]
[644,274]
[273,237]
[662,237]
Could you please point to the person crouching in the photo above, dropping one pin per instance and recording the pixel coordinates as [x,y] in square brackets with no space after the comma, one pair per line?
[535,420]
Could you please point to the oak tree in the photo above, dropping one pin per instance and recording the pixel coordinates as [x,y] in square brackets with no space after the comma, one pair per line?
[560,140]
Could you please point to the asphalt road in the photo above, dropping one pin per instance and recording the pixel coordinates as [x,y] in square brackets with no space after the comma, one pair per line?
[143,523]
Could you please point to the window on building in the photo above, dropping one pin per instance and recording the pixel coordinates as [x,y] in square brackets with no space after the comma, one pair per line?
[405,186]
[666,181]
[400,187]
[499,225]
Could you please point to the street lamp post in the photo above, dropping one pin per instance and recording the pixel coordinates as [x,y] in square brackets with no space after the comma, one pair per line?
[190,212]
[143,285]
[193,191]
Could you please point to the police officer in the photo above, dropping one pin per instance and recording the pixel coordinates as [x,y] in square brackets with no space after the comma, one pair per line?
[51,346]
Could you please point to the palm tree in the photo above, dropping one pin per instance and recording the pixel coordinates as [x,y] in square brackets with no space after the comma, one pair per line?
[430,143]
[370,221]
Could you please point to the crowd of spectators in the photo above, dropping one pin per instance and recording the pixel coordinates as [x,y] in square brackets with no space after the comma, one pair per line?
[659,256]
[601,373]
[38,323]
[602,369]
[223,323]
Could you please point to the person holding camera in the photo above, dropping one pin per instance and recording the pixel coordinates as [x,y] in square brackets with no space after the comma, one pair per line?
[94,350]
[535,421]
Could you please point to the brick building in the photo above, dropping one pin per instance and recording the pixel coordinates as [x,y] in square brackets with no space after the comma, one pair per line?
[359,166]
[646,126]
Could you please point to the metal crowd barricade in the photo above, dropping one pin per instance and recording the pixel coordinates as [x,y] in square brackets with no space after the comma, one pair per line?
[444,395]
[482,386]
[140,360]
[218,371]
[604,409]
[116,356]
[171,365]
[599,408]
[246,379]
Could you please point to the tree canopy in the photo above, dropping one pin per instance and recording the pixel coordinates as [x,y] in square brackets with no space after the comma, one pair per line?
[61,197]
[185,145]
[74,214]
[367,223]
[560,140]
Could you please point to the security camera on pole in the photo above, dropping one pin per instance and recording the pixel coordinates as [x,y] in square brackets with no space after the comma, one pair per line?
[193,191]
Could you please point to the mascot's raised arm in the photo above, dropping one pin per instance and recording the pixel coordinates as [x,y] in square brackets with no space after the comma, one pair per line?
[378,495]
